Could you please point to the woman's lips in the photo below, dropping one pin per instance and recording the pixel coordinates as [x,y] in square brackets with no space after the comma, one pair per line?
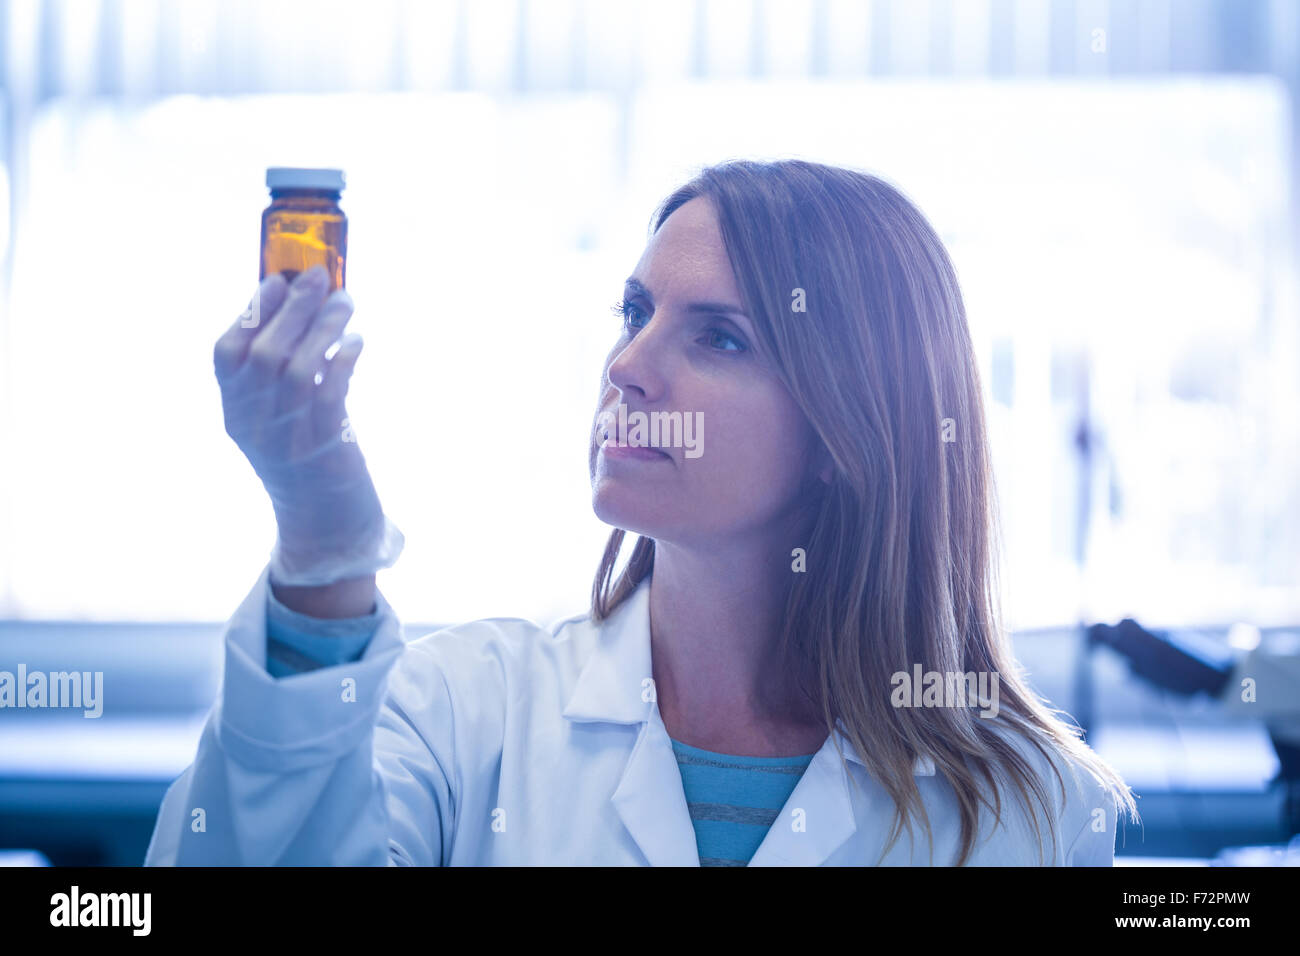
[611,448]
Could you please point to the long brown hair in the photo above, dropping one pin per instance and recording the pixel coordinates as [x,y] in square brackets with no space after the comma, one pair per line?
[901,562]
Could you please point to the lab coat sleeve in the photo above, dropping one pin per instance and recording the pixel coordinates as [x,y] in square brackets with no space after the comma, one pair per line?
[319,768]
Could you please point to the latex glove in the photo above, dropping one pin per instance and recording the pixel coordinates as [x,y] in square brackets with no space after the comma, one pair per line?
[296,434]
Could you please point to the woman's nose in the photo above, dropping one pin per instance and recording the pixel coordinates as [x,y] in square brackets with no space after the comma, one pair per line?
[640,367]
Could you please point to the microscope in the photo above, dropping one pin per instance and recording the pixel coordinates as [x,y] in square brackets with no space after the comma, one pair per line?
[1264,683]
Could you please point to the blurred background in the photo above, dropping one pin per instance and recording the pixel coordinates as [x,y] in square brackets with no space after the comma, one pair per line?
[1114,179]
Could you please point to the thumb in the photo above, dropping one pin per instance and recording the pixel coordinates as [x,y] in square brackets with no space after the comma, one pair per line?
[334,383]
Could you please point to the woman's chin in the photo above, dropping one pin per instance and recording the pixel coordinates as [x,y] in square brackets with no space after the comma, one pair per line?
[624,511]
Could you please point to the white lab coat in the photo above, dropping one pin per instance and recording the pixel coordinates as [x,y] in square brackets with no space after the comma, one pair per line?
[502,742]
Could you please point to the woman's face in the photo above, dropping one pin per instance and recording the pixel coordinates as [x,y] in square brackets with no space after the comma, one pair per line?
[685,347]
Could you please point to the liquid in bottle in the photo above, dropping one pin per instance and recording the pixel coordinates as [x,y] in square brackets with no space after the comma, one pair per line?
[303,225]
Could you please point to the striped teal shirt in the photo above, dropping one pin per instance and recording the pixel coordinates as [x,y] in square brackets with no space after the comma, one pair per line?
[296,643]
[733,800]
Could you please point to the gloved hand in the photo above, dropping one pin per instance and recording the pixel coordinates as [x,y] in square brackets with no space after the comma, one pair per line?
[296,433]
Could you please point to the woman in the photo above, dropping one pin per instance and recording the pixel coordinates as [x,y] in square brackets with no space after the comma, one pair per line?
[741,691]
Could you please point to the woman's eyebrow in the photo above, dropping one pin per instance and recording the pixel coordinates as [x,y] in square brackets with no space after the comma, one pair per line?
[633,285]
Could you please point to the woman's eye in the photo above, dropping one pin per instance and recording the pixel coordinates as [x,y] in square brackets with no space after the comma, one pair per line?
[634,318]
[626,311]
[717,335]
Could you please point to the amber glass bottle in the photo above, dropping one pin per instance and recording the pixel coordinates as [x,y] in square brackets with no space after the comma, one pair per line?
[304,225]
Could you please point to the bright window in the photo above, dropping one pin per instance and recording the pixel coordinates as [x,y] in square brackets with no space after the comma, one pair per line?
[1134,232]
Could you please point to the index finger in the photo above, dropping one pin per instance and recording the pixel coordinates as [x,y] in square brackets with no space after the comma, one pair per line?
[232,347]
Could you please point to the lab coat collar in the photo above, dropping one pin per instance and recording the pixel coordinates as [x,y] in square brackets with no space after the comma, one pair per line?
[615,685]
